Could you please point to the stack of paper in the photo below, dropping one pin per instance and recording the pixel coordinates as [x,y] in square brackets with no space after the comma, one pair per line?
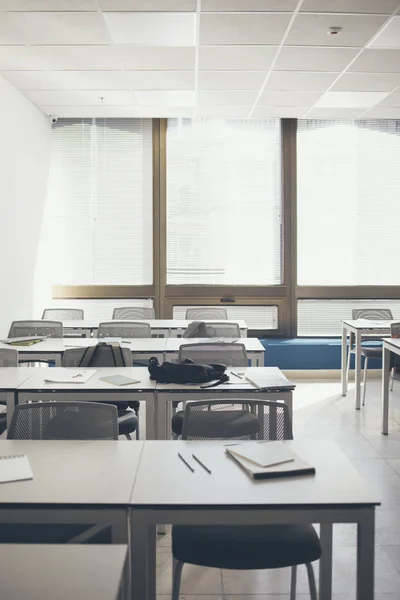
[23,341]
[15,468]
[269,382]
[69,375]
[268,460]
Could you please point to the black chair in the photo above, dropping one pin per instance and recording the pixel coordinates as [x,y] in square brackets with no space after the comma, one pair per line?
[128,413]
[8,358]
[242,547]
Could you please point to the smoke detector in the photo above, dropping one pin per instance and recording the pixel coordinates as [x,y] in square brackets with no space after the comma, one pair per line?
[334,30]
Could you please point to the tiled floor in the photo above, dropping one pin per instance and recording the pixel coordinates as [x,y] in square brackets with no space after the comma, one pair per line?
[322,413]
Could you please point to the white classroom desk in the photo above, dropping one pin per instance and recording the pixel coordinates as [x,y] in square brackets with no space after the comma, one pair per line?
[166,491]
[390,345]
[10,379]
[63,571]
[167,393]
[254,348]
[160,327]
[94,390]
[356,328]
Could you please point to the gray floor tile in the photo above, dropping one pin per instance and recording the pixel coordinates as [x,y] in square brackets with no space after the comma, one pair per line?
[375,469]
[195,580]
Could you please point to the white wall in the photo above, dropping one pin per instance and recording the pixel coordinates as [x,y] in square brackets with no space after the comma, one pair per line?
[25,147]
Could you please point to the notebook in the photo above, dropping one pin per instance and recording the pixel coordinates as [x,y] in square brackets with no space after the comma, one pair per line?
[119,380]
[265,454]
[15,468]
[268,382]
[293,468]
[69,376]
[23,341]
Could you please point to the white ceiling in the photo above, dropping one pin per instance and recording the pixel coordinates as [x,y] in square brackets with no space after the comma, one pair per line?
[234,58]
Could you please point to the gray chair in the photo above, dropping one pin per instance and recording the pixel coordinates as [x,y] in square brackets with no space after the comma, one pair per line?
[134,313]
[8,358]
[124,329]
[63,314]
[368,351]
[242,547]
[206,312]
[221,329]
[51,329]
[64,421]
[128,421]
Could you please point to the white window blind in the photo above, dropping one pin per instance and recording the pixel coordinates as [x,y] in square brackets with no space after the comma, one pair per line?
[101,309]
[224,211]
[348,179]
[98,225]
[256,317]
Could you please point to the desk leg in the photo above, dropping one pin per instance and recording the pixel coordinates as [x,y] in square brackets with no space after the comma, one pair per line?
[161,416]
[344,360]
[358,370]
[140,569]
[365,556]
[150,416]
[325,563]
[385,391]
[11,401]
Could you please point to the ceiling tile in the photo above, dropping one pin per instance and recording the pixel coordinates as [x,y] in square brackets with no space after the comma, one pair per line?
[152,29]
[236,58]
[334,113]
[57,58]
[157,58]
[231,80]
[389,36]
[9,34]
[74,97]
[392,100]
[242,28]
[350,6]
[226,98]
[311,30]
[48,5]
[382,112]
[118,111]
[160,80]
[149,5]
[67,80]
[377,61]
[284,98]
[350,99]
[61,27]
[279,112]
[307,81]
[367,82]
[297,58]
[248,5]
[167,98]
[223,111]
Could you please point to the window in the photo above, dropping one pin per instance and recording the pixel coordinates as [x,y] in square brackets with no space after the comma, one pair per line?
[224,215]
[256,317]
[348,202]
[98,222]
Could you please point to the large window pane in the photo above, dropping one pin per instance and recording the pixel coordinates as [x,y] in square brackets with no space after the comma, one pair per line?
[348,202]
[224,202]
[256,317]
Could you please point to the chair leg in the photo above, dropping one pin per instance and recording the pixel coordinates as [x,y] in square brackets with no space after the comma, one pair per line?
[128,436]
[392,382]
[365,379]
[293,582]
[348,361]
[311,582]
[176,584]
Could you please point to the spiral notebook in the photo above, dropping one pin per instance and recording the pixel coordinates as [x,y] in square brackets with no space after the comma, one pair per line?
[15,468]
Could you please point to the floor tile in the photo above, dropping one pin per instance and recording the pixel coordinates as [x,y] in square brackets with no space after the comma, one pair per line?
[195,580]
[375,469]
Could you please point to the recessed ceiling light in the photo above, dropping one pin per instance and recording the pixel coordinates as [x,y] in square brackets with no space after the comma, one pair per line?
[334,30]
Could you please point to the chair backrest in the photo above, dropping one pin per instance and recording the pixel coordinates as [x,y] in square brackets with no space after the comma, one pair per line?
[64,421]
[236,419]
[134,313]
[206,312]
[221,329]
[127,329]
[8,357]
[231,355]
[53,329]
[103,357]
[63,314]
[374,314]
[395,330]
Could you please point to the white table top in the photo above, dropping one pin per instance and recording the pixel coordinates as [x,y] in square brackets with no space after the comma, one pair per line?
[251,344]
[235,384]
[54,345]
[73,472]
[154,323]
[13,377]
[65,571]
[37,380]
[390,343]
[58,345]
[368,323]
[163,480]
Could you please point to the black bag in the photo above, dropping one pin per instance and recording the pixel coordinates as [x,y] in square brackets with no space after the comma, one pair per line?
[187,372]
[90,352]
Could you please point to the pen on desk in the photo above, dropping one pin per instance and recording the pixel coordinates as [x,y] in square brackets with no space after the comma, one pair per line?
[186,463]
[237,375]
[78,375]
[200,463]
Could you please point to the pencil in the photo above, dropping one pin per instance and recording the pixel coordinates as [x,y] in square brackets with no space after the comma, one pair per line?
[200,463]
[186,463]
[237,375]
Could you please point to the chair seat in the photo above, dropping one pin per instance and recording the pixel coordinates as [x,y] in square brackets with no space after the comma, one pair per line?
[127,423]
[3,422]
[371,352]
[220,424]
[245,546]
